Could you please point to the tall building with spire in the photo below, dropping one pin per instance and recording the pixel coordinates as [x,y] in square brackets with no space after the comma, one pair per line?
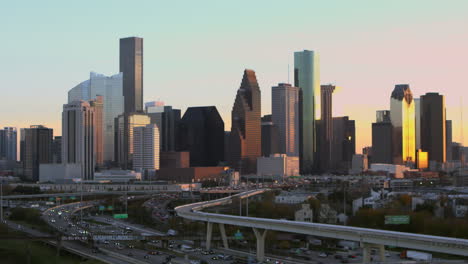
[131,66]
[307,77]
[402,115]
[245,138]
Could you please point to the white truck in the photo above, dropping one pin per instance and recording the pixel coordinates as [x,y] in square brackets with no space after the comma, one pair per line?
[416,255]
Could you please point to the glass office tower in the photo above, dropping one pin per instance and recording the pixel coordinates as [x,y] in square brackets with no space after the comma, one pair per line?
[307,77]
[402,115]
[110,88]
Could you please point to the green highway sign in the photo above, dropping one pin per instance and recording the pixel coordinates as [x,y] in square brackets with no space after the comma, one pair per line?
[72,197]
[397,219]
[102,208]
[238,235]
[110,207]
[121,216]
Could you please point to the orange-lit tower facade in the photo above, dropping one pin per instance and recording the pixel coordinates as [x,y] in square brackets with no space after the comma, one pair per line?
[245,144]
[402,115]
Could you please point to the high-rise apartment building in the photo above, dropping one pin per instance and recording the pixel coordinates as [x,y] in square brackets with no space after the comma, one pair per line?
[382,131]
[125,124]
[131,66]
[78,137]
[146,148]
[307,77]
[245,138]
[402,115]
[433,130]
[8,137]
[285,116]
[98,107]
[201,133]
[110,88]
[324,145]
[37,147]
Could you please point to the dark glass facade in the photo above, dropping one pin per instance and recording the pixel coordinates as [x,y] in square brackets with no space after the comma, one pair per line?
[131,66]
[201,132]
[433,132]
[37,150]
[325,129]
[270,137]
[245,141]
[343,144]
[382,142]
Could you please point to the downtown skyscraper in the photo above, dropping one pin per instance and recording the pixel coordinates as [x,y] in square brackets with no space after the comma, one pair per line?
[110,88]
[37,148]
[131,66]
[433,127]
[325,132]
[307,77]
[201,133]
[245,138]
[146,148]
[285,115]
[403,119]
[8,137]
[78,121]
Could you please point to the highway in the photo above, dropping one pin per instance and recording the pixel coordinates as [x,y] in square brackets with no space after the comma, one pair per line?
[363,235]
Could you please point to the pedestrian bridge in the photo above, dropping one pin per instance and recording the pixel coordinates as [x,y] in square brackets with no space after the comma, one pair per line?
[367,237]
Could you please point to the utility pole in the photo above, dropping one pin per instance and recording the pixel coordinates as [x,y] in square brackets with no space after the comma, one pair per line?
[81,202]
[247,206]
[1,200]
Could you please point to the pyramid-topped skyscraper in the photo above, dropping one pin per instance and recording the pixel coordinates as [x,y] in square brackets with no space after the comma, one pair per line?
[245,138]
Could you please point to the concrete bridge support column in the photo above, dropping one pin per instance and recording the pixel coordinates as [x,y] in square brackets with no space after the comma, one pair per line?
[382,253]
[260,235]
[366,253]
[367,249]
[223,236]
[209,233]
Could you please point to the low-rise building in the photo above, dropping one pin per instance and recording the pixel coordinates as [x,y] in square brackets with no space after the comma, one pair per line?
[359,164]
[59,172]
[292,198]
[194,174]
[392,170]
[117,176]
[305,214]
[277,166]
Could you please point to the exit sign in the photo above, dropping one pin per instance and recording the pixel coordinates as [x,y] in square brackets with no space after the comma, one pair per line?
[121,216]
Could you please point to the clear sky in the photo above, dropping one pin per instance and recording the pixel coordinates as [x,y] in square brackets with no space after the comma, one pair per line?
[195,52]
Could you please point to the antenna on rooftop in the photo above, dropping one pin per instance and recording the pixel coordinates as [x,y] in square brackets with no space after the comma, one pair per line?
[288,74]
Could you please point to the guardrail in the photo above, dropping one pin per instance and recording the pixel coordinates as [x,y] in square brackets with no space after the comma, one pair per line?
[447,245]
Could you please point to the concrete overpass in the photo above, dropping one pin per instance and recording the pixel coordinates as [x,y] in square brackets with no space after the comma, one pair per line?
[368,238]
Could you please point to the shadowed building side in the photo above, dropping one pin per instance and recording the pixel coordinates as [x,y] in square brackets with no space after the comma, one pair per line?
[201,132]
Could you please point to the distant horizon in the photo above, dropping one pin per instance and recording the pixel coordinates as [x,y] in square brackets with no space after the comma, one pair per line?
[194,54]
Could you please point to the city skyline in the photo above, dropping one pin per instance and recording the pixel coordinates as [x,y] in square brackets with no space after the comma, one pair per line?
[423,49]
